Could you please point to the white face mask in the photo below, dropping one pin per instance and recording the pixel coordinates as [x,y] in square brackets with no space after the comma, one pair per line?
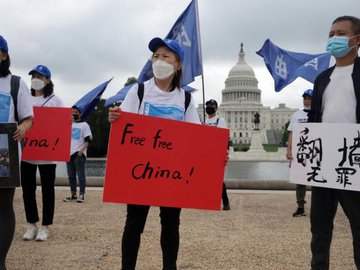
[37,84]
[162,70]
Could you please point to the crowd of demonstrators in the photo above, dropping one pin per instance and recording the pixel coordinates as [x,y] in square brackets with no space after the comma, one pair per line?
[22,113]
[80,139]
[161,94]
[213,120]
[42,95]
[300,116]
[336,99]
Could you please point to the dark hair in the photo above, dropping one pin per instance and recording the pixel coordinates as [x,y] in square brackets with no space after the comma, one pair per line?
[354,21]
[48,89]
[5,65]
[176,82]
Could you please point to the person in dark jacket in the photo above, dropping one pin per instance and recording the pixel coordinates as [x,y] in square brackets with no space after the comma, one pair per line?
[336,99]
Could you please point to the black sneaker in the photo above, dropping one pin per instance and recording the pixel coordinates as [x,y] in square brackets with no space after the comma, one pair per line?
[299,212]
[226,207]
[71,198]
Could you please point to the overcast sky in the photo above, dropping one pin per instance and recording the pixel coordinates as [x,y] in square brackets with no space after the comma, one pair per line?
[86,42]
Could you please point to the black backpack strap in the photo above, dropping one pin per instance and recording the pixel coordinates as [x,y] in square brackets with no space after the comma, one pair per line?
[47,100]
[217,121]
[140,93]
[14,86]
[187,99]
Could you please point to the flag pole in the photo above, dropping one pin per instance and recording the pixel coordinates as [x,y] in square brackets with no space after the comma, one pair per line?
[200,49]
[203,93]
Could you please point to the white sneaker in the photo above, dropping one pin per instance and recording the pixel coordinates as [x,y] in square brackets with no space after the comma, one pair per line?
[42,234]
[30,233]
[81,198]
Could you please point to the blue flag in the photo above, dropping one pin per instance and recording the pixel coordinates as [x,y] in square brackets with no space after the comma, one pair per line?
[120,95]
[88,102]
[186,32]
[285,66]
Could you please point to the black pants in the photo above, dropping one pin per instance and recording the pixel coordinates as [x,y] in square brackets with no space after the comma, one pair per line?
[7,222]
[134,226]
[28,183]
[225,198]
[300,195]
[324,202]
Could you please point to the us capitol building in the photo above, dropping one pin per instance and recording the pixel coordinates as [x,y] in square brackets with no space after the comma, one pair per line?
[241,99]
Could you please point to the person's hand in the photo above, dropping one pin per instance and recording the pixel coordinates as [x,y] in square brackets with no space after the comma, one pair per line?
[80,153]
[289,157]
[19,133]
[114,114]
[227,157]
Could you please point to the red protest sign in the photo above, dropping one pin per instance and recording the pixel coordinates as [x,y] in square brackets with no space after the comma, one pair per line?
[50,136]
[161,162]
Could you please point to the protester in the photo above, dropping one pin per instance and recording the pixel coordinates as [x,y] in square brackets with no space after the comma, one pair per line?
[300,116]
[336,99]
[42,92]
[215,121]
[162,97]
[9,113]
[80,139]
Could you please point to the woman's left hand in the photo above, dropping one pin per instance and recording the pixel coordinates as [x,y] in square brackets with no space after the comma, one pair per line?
[19,134]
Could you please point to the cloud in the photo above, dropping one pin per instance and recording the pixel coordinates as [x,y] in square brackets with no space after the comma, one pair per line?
[85,43]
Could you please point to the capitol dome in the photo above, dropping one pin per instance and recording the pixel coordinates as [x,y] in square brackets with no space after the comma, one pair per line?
[241,85]
[241,69]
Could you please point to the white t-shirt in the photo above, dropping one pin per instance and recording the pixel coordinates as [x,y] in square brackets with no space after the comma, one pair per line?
[339,100]
[50,101]
[298,117]
[24,105]
[170,105]
[79,132]
[215,123]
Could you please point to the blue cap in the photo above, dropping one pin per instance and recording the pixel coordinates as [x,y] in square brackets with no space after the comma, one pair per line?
[3,44]
[211,102]
[170,43]
[43,70]
[308,92]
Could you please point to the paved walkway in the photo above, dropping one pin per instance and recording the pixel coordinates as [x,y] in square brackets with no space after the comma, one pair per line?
[257,233]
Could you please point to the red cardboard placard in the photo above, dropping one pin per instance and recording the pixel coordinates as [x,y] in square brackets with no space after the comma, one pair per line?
[161,162]
[50,136]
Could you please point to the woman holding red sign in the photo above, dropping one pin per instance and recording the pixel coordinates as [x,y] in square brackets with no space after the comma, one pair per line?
[15,107]
[42,93]
[161,96]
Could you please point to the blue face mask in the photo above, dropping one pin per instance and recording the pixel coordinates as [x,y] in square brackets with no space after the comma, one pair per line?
[338,46]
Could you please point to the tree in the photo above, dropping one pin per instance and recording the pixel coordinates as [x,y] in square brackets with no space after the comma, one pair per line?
[130,80]
[100,128]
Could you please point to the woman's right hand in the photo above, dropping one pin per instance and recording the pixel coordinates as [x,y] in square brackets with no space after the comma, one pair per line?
[114,114]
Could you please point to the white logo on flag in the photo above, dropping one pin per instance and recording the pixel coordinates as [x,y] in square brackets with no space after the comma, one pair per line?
[313,63]
[179,32]
[280,67]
